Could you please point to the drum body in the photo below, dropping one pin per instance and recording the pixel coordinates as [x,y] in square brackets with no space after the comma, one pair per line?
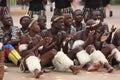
[14,56]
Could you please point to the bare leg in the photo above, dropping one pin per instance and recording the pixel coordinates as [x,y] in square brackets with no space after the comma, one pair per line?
[37,73]
[75,69]
[108,67]
[1,73]
[94,67]
[47,57]
[72,53]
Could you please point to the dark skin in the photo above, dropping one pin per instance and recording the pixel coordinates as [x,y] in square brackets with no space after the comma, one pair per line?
[8,22]
[33,42]
[78,17]
[42,22]
[82,35]
[25,21]
[89,49]
[116,39]
[68,21]
[87,35]
[55,34]
[96,15]
[36,42]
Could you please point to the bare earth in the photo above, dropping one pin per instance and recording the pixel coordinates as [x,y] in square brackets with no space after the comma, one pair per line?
[13,72]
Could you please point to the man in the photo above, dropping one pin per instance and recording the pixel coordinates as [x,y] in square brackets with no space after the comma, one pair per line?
[116,39]
[91,5]
[10,36]
[68,21]
[30,43]
[78,17]
[36,7]
[98,59]
[55,32]
[3,8]
[25,21]
[62,6]
[58,35]
[42,23]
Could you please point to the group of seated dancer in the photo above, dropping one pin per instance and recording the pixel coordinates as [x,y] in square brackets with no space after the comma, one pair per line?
[69,45]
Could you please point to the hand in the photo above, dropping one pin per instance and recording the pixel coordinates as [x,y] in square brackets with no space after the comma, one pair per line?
[113,28]
[91,33]
[47,40]
[103,38]
[58,37]
[90,38]
[68,38]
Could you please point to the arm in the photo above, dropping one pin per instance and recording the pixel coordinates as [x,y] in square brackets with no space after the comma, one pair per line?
[110,35]
[115,39]
[90,39]
[42,42]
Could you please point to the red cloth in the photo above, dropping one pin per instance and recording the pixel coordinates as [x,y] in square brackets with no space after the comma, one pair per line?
[6,51]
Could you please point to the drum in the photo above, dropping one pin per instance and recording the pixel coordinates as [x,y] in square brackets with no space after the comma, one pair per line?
[14,56]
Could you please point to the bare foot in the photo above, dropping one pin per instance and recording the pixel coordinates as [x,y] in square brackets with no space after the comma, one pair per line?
[75,69]
[93,67]
[110,70]
[38,73]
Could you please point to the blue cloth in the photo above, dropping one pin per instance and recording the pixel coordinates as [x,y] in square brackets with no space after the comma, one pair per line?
[8,46]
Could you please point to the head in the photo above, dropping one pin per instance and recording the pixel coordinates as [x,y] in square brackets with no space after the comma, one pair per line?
[68,19]
[25,21]
[78,15]
[97,15]
[92,24]
[7,20]
[90,48]
[33,26]
[42,21]
[58,22]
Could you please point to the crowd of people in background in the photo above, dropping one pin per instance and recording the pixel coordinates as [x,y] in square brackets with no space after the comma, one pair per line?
[76,39]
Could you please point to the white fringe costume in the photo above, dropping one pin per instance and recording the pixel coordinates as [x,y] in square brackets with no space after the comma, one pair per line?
[77,43]
[23,47]
[32,62]
[1,46]
[83,57]
[62,62]
[98,56]
[116,54]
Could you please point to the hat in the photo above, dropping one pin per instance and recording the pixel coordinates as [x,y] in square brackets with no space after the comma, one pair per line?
[92,23]
[33,20]
[57,17]
[27,16]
